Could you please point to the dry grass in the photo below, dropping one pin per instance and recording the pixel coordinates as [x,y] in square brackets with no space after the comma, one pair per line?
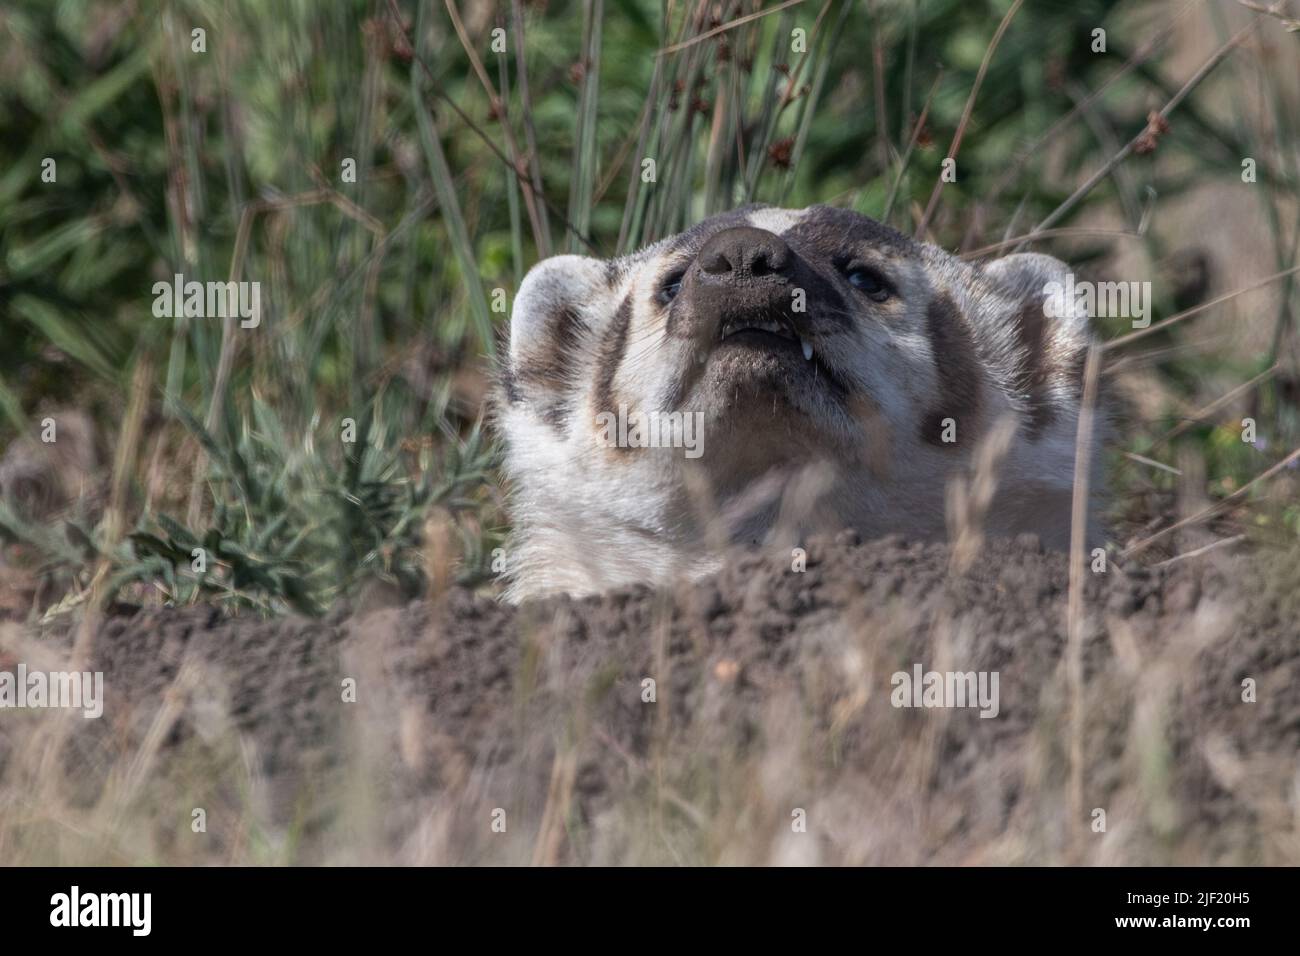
[470,169]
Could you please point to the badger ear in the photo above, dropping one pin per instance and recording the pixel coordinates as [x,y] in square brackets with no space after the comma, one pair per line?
[1024,271]
[553,312]
[1049,334]
[1033,280]
[555,296]
[558,305]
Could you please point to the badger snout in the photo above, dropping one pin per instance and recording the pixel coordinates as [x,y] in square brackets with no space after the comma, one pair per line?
[744,278]
[737,257]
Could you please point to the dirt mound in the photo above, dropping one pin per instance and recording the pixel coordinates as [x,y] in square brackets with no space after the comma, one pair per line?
[743,719]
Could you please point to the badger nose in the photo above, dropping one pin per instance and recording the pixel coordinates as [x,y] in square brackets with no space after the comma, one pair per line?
[734,255]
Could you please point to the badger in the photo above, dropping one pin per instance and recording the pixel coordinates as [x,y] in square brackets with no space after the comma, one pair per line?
[769,374]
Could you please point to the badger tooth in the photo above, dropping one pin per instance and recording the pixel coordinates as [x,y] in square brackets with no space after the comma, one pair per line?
[807,348]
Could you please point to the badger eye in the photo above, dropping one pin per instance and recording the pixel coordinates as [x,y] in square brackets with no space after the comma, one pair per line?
[870,282]
[671,286]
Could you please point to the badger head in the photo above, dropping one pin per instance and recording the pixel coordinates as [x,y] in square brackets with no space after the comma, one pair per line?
[766,374]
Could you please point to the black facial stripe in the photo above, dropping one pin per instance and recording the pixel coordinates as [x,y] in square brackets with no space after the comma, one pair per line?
[822,300]
[958,371]
[610,356]
[675,309]
[672,323]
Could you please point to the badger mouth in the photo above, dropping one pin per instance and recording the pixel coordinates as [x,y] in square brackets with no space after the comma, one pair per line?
[770,330]
[770,342]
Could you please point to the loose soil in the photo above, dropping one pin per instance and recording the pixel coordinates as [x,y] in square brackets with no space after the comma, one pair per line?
[742,719]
